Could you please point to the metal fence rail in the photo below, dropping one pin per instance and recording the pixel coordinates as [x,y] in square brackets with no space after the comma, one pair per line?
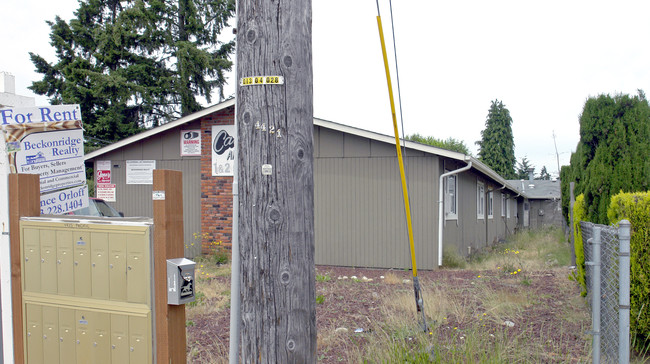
[605,277]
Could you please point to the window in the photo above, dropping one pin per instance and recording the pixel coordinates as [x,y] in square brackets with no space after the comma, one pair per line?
[508,208]
[451,198]
[503,205]
[480,201]
[490,208]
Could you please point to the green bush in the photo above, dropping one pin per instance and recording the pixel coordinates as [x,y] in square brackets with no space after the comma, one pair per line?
[635,207]
[579,214]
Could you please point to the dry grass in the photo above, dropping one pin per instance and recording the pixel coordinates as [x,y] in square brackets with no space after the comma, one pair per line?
[466,312]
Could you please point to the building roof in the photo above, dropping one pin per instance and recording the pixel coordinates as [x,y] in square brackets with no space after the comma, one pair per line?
[476,164]
[538,189]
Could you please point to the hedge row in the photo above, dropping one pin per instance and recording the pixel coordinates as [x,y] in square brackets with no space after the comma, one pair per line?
[579,214]
[634,207]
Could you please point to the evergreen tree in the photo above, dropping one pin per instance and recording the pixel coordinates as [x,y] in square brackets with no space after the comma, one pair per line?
[497,146]
[136,63]
[544,175]
[612,154]
[523,167]
[449,143]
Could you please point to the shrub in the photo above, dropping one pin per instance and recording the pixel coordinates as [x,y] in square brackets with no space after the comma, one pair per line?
[579,214]
[635,207]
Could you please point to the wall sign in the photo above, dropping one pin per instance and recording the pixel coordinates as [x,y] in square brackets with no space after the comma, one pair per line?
[103,172]
[106,191]
[190,143]
[224,150]
[140,172]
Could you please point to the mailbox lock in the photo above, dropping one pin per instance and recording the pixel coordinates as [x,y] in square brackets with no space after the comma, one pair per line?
[113,346]
[58,261]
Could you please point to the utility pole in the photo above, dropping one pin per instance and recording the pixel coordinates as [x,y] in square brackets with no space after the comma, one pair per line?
[274,116]
[557,155]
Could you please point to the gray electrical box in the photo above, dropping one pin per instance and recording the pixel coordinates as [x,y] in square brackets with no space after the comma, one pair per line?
[180,281]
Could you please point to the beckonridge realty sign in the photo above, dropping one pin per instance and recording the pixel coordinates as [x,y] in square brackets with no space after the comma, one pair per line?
[48,141]
[56,156]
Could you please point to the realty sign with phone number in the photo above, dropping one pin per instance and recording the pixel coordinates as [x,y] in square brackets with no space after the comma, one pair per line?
[48,141]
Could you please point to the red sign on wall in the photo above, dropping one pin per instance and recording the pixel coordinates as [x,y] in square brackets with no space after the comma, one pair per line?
[103,173]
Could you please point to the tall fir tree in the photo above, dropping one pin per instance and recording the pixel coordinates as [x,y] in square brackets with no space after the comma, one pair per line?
[136,63]
[497,145]
[522,168]
[544,175]
[612,154]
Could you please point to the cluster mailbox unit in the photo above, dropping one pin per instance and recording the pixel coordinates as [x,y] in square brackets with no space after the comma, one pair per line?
[87,289]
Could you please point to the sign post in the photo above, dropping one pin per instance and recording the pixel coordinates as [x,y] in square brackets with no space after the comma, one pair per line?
[5,258]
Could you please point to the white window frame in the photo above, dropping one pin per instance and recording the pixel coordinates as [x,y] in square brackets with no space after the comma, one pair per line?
[503,204]
[490,205]
[480,200]
[451,197]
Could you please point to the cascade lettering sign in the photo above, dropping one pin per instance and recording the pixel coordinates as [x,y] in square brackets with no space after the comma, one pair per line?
[224,150]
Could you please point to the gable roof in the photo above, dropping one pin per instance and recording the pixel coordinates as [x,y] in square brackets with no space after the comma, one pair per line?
[476,164]
[538,189]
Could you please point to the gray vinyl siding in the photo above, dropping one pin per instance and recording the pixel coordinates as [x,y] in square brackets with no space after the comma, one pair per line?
[359,212]
[135,200]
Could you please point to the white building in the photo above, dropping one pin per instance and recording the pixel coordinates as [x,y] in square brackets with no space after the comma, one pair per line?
[8,97]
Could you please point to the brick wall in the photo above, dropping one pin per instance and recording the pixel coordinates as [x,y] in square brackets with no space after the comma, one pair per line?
[216,192]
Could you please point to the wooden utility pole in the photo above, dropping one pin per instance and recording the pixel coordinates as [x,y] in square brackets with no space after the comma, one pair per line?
[274,115]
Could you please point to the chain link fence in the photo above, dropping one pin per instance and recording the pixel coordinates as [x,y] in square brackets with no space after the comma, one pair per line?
[602,256]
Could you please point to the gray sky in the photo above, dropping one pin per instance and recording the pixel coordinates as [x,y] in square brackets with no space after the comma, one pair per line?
[543,60]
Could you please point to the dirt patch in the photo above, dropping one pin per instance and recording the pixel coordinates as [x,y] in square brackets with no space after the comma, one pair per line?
[535,313]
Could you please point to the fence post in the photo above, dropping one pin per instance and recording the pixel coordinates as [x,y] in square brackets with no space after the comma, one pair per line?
[595,289]
[624,292]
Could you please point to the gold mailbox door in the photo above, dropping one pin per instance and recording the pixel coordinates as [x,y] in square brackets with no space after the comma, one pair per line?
[99,265]
[67,336]
[136,270]
[51,334]
[34,320]
[48,261]
[119,339]
[117,266]
[82,273]
[64,263]
[32,260]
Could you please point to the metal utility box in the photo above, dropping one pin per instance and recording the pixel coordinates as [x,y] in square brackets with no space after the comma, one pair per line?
[87,290]
[180,281]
